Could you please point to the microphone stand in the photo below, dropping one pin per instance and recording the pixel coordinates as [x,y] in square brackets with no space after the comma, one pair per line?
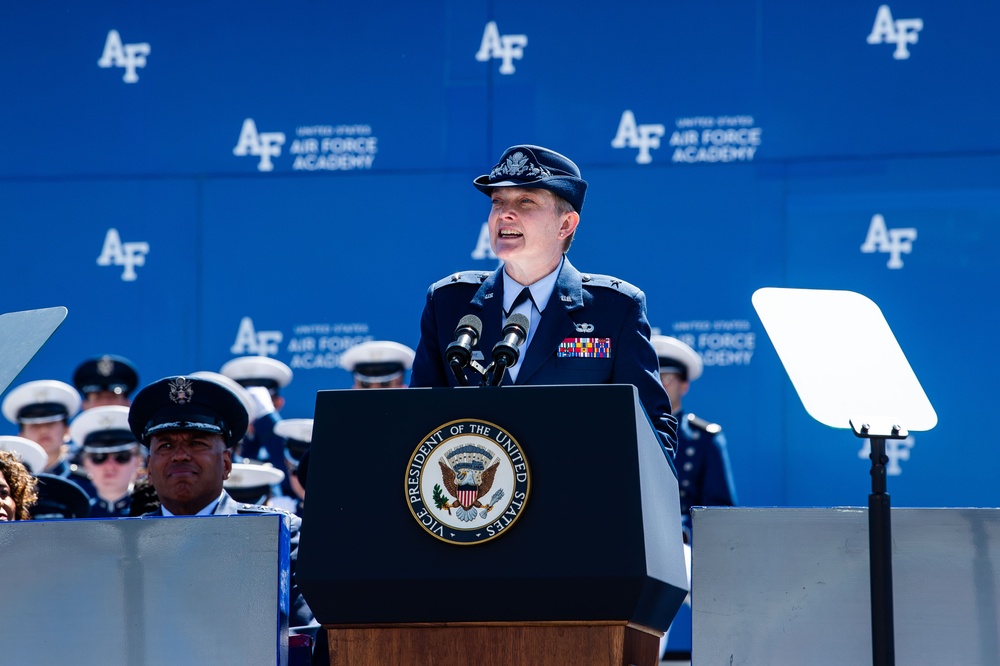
[458,369]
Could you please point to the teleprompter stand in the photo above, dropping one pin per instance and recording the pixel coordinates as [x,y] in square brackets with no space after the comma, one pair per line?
[849,371]
[880,543]
[591,572]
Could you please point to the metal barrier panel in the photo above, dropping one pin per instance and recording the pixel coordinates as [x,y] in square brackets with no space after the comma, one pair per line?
[151,591]
[791,586]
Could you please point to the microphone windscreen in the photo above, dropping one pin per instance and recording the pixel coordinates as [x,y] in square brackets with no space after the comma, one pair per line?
[518,319]
[473,322]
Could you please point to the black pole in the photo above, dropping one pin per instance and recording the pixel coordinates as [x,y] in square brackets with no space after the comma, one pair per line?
[880,560]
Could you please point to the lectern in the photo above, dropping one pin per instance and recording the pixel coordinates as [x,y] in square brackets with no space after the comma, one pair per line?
[510,525]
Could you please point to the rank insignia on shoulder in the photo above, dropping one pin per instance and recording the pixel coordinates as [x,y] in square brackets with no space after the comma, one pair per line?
[260,508]
[585,348]
[703,425]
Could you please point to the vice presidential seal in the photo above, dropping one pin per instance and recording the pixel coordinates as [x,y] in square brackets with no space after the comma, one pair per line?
[467,482]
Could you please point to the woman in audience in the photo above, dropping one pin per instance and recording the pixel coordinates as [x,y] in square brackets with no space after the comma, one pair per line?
[17,488]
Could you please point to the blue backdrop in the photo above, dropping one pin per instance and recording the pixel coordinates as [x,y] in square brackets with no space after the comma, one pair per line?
[200,181]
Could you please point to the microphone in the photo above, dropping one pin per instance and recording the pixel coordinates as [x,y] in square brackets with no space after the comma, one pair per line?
[459,353]
[508,350]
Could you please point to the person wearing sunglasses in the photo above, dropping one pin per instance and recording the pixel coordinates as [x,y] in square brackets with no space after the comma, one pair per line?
[111,457]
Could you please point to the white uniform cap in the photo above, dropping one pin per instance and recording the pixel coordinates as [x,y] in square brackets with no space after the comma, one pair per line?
[32,455]
[674,355]
[377,360]
[232,385]
[105,427]
[258,371]
[300,430]
[246,475]
[42,401]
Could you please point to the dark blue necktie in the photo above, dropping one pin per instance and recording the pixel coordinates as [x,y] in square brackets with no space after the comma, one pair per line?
[525,295]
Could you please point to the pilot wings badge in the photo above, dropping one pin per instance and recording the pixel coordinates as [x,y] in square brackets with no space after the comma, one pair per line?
[467,482]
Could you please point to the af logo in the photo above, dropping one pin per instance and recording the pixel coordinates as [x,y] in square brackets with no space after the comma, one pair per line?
[264,145]
[126,56]
[895,450]
[505,47]
[128,255]
[899,32]
[894,242]
[255,343]
[642,137]
[467,482]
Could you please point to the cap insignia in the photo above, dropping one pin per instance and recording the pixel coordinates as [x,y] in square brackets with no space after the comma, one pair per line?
[105,366]
[181,390]
[106,421]
[518,165]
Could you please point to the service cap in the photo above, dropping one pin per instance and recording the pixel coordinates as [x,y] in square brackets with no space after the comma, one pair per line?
[188,403]
[258,371]
[377,361]
[298,437]
[539,168]
[103,430]
[31,454]
[675,356]
[106,373]
[232,385]
[250,484]
[42,401]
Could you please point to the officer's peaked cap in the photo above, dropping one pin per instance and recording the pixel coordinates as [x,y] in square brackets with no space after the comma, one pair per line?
[539,168]
[188,403]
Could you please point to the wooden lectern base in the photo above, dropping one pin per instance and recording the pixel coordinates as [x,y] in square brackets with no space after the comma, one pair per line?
[495,644]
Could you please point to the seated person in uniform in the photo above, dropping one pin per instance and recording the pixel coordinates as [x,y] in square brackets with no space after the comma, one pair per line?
[297,434]
[254,483]
[17,488]
[583,329]
[378,364]
[703,474]
[189,426]
[42,410]
[105,380]
[110,456]
[263,377]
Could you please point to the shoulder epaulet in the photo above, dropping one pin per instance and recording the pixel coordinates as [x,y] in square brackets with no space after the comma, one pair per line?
[610,282]
[260,508]
[703,425]
[462,277]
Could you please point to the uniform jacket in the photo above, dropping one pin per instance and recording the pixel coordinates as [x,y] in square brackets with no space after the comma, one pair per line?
[102,508]
[581,306]
[703,473]
[300,619]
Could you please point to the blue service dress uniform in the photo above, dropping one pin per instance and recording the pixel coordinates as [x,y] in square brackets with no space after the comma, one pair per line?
[581,306]
[703,473]
[62,468]
[102,508]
